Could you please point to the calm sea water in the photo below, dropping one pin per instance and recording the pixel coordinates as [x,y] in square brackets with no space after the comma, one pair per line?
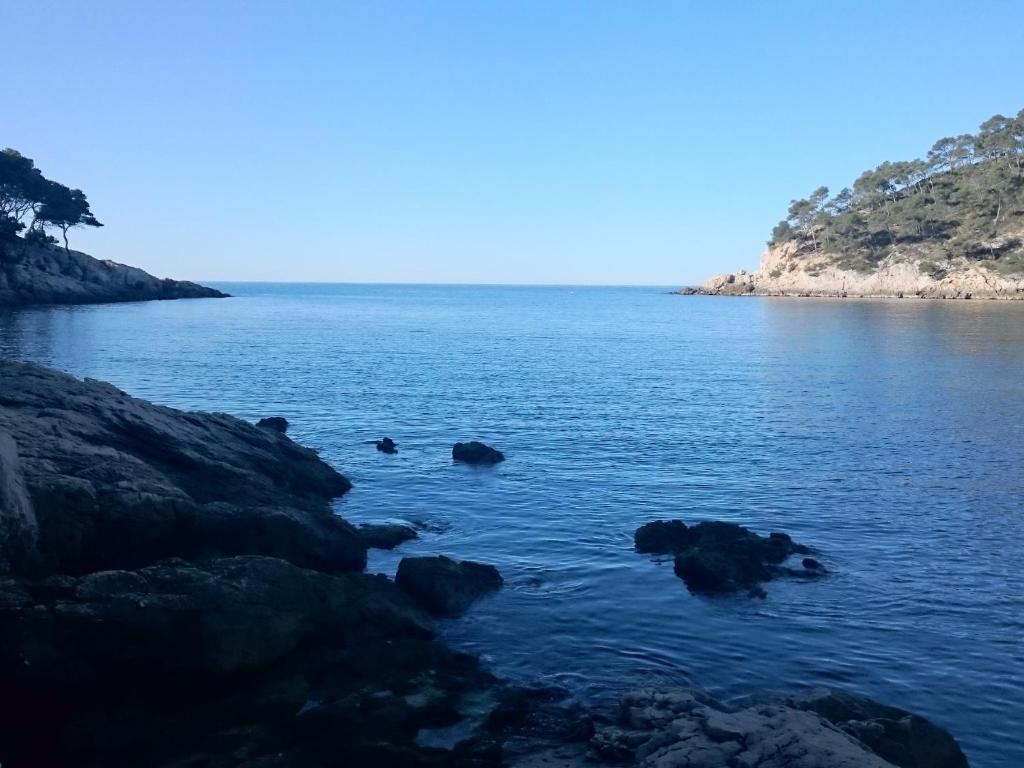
[886,434]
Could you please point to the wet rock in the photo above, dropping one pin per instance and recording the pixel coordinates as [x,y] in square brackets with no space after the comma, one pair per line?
[387,445]
[18,527]
[275,423]
[476,453]
[446,587]
[811,563]
[386,535]
[715,557]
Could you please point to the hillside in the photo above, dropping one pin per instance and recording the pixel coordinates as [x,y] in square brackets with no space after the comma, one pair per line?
[48,274]
[949,226]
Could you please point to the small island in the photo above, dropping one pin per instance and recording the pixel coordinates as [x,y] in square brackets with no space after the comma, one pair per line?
[949,226]
[37,269]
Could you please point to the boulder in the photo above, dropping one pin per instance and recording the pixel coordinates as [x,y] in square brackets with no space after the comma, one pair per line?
[275,423]
[117,482]
[715,557]
[476,453]
[386,535]
[446,587]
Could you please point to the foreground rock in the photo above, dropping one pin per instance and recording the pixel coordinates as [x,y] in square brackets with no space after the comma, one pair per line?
[790,270]
[35,274]
[446,587]
[476,453]
[715,557]
[117,482]
[130,636]
[684,728]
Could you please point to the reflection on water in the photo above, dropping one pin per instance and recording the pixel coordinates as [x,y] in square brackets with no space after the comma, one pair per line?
[887,434]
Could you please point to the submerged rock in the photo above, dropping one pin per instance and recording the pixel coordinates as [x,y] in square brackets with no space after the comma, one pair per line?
[476,453]
[276,423]
[446,587]
[386,535]
[714,557]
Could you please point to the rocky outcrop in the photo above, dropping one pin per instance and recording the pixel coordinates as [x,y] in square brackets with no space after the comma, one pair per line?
[446,587]
[34,274]
[117,482]
[475,452]
[715,557]
[276,423]
[686,728]
[915,272]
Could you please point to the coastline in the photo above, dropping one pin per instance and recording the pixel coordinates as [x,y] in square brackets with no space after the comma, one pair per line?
[233,539]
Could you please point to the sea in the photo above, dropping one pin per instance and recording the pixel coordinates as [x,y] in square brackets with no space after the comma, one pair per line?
[887,435]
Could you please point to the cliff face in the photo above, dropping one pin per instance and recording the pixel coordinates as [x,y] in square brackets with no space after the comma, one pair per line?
[32,274]
[917,272]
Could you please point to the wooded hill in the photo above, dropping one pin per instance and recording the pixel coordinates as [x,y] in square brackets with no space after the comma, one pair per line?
[966,199]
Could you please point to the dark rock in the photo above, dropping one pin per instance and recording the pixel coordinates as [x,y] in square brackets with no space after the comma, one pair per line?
[476,453]
[276,423]
[663,537]
[446,587]
[810,562]
[103,469]
[714,557]
[386,535]
[387,445]
[43,274]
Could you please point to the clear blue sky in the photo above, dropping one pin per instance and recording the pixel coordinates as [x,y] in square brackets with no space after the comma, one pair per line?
[522,142]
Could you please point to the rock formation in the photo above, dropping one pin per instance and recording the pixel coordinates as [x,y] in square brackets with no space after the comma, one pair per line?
[446,587]
[714,557]
[37,274]
[790,270]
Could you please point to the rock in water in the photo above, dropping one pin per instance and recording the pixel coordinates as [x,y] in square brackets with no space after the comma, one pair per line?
[386,535]
[117,482]
[446,587]
[275,423]
[476,453]
[714,557]
[387,445]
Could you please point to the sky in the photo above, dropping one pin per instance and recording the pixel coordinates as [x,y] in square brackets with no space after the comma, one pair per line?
[651,143]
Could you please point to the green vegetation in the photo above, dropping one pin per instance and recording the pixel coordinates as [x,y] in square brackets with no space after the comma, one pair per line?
[965,200]
[31,203]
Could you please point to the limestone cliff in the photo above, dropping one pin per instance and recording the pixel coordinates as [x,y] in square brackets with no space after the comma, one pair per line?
[791,269]
[39,274]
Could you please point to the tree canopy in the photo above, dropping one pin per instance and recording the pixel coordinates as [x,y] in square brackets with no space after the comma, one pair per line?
[966,199]
[31,203]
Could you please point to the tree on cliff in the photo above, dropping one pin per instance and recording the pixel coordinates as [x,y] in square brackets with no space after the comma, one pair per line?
[25,192]
[966,199]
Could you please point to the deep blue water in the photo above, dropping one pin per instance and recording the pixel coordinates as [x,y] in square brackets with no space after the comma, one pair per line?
[887,434]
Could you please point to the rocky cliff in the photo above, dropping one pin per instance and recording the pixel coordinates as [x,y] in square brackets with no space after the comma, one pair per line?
[790,269]
[38,274]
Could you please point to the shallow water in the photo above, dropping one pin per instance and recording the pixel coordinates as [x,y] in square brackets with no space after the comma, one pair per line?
[886,434]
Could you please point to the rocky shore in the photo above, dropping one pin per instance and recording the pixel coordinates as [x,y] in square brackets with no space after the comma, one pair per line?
[788,270]
[46,274]
[175,592]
